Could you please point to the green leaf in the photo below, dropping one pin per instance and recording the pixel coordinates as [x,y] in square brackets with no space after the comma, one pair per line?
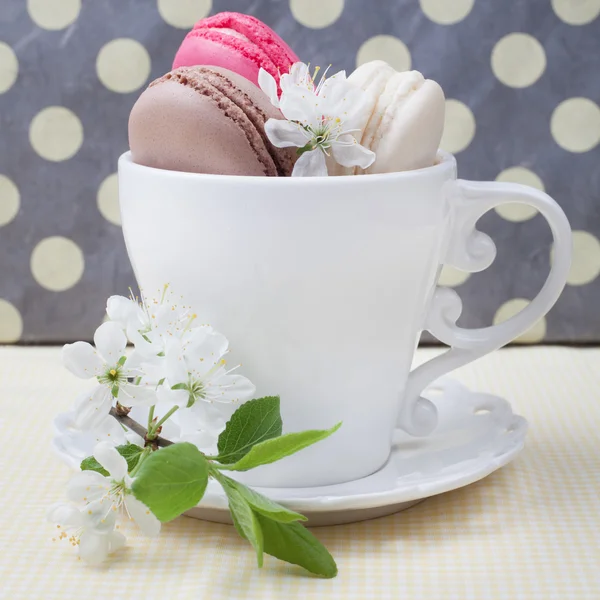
[130,452]
[172,480]
[295,544]
[253,422]
[275,449]
[261,504]
[244,518]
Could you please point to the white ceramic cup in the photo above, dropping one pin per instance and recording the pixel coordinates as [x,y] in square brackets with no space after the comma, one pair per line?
[323,286]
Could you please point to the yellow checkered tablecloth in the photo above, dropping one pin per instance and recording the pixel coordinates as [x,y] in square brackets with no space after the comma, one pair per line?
[530,531]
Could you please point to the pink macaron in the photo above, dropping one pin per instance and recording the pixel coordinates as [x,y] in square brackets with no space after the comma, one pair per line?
[237,42]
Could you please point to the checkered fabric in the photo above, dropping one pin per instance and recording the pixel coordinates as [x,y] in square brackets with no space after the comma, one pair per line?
[527,532]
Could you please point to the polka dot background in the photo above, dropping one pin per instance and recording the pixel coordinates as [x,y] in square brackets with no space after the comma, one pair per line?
[522,107]
[108,199]
[9,67]
[518,60]
[385,47]
[57,263]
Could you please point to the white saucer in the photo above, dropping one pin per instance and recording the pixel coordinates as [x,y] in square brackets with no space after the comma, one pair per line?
[477,434]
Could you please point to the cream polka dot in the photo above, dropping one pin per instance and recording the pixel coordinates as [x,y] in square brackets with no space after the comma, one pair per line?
[57,263]
[53,14]
[56,133]
[517,212]
[316,14]
[385,47]
[11,323]
[585,264]
[459,126]
[9,67]
[123,65]
[518,60]
[509,309]
[451,277]
[183,13]
[9,200]
[108,199]
[446,12]
[575,124]
[576,12]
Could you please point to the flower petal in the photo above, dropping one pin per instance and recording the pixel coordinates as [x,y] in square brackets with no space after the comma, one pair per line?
[124,311]
[109,430]
[298,76]
[82,360]
[143,516]
[99,516]
[285,134]
[350,153]
[143,347]
[110,342]
[268,85]
[87,486]
[92,408]
[141,394]
[175,368]
[116,541]
[310,164]
[202,416]
[65,515]
[335,84]
[94,547]
[231,388]
[172,397]
[203,356]
[300,104]
[111,460]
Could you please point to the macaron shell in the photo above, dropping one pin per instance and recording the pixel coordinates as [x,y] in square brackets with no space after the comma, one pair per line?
[372,77]
[165,133]
[257,108]
[239,43]
[410,130]
[214,48]
[258,33]
[203,120]
[396,88]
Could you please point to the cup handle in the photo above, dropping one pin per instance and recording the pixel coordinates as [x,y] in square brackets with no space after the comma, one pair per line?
[472,251]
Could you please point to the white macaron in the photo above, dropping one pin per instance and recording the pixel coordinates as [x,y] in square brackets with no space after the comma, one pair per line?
[403,119]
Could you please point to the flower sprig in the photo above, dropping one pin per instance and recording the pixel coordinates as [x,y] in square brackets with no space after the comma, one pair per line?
[320,119]
[176,381]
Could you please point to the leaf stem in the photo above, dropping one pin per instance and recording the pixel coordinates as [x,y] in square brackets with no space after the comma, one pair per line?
[145,453]
[150,417]
[152,430]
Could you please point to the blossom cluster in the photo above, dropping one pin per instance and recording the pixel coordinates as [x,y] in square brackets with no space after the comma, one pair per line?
[174,379]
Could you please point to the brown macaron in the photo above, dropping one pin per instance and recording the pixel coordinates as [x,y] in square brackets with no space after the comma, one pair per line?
[206,120]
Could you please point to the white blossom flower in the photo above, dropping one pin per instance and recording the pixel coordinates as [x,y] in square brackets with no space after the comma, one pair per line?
[120,376]
[91,529]
[91,486]
[196,371]
[320,120]
[91,408]
[73,440]
[149,326]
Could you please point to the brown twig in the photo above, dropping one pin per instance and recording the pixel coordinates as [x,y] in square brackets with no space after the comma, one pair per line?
[139,429]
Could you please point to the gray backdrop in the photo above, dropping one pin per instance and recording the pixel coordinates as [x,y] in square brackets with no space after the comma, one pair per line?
[61,251]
